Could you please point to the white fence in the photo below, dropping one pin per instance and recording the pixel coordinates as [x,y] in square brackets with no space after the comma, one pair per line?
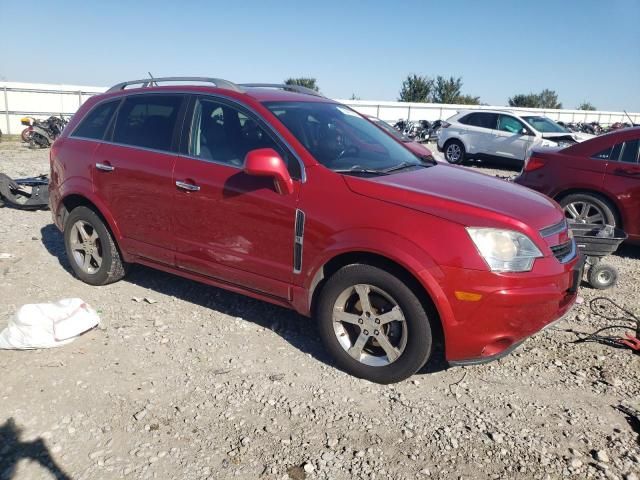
[42,100]
[393,111]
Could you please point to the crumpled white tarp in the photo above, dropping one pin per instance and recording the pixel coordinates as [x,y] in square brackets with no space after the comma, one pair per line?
[47,325]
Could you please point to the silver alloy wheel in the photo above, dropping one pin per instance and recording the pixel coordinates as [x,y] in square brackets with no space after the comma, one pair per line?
[453,152]
[585,212]
[370,325]
[86,246]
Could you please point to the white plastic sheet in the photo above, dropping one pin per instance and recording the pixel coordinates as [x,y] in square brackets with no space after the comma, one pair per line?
[48,325]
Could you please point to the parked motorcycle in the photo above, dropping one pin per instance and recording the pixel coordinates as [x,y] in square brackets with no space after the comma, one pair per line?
[42,133]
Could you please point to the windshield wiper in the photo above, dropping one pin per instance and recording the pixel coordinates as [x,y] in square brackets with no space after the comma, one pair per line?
[403,166]
[357,169]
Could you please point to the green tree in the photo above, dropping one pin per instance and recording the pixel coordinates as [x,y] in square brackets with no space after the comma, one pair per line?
[530,100]
[545,99]
[306,82]
[416,88]
[449,90]
[587,106]
[549,99]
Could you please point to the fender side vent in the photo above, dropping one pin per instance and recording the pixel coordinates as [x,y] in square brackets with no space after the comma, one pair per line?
[298,241]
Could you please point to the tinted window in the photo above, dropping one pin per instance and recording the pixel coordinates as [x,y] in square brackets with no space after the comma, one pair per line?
[148,121]
[96,122]
[611,153]
[630,151]
[223,134]
[510,124]
[481,119]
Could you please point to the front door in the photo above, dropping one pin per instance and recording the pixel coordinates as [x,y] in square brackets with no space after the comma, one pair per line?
[229,225]
[511,138]
[133,173]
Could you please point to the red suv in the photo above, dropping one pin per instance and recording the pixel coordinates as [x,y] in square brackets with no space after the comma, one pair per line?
[596,182]
[284,195]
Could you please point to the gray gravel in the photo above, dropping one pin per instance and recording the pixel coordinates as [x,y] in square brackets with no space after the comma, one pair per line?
[188,381]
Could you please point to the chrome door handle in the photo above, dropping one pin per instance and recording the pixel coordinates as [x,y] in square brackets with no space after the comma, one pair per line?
[187,186]
[105,167]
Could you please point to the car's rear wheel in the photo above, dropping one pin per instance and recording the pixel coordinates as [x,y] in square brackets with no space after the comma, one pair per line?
[588,209]
[90,248]
[454,152]
[373,324]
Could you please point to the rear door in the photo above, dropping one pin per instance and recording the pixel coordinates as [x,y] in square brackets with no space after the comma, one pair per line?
[478,131]
[511,138]
[132,173]
[622,180]
[228,225]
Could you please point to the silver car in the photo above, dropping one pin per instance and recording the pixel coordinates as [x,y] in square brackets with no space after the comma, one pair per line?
[499,135]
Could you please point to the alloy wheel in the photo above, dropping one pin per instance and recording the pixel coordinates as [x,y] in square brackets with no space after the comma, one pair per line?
[453,152]
[370,325]
[585,212]
[86,247]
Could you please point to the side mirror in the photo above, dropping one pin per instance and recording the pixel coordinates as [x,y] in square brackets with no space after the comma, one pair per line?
[265,162]
[524,131]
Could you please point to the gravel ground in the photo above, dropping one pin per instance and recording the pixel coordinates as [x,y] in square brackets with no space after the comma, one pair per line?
[187,381]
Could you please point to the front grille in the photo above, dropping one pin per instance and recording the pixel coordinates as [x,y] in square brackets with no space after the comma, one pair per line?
[554,229]
[563,251]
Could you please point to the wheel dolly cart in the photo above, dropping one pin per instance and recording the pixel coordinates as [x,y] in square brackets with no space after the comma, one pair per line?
[596,242]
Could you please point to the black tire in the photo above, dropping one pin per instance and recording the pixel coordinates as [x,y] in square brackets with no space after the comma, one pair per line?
[596,202]
[454,152]
[418,327]
[112,268]
[601,276]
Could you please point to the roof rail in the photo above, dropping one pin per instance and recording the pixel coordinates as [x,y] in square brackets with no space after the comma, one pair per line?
[283,86]
[218,82]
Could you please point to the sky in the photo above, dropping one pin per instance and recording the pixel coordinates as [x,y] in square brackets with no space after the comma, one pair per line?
[585,50]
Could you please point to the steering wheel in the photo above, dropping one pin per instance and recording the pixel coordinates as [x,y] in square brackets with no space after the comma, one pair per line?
[352,150]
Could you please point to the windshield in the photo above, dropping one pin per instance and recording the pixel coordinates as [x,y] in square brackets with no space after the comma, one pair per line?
[342,140]
[545,125]
[389,129]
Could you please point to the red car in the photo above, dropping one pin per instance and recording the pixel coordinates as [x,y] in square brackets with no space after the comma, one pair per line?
[417,148]
[596,181]
[281,194]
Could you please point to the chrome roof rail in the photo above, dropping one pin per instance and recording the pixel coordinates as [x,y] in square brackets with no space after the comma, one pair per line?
[147,82]
[283,86]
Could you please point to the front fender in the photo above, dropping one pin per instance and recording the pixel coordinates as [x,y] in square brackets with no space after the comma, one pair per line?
[393,247]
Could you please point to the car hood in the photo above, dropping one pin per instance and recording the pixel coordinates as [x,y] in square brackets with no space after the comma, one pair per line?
[418,149]
[462,196]
[571,137]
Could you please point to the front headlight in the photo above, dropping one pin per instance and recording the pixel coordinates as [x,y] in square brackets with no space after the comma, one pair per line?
[504,250]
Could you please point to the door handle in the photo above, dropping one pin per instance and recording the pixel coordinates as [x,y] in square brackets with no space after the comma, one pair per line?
[105,167]
[625,171]
[187,186]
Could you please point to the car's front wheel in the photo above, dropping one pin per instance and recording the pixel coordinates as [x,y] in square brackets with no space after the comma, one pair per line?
[454,152]
[373,324]
[90,248]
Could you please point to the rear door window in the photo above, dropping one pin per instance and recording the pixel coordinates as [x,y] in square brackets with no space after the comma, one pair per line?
[630,151]
[148,121]
[481,119]
[95,123]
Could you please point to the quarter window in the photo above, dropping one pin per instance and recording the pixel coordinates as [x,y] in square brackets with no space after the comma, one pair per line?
[611,153]
[95,123]
[510,124]
[148,121]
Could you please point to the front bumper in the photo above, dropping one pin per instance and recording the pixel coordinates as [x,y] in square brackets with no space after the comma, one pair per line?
[512,308]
